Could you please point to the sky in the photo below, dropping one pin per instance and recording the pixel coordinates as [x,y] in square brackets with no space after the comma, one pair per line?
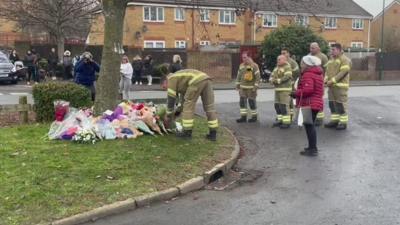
[373,6]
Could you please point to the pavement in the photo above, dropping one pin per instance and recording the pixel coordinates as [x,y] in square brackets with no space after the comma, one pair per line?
[353,181]
[9,94]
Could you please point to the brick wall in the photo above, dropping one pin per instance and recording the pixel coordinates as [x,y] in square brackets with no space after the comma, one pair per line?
[215,64]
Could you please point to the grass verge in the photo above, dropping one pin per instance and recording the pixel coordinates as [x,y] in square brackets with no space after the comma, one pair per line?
[45,180]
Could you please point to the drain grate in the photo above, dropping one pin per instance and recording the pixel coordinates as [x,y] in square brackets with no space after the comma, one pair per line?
[235,178]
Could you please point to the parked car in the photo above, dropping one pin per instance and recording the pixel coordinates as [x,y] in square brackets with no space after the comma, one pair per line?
[19,70]
[5,70]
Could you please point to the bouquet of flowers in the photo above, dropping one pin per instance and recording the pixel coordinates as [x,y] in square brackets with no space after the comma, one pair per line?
[85,136]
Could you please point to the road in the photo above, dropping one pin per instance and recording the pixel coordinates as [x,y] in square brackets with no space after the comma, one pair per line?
[353,181]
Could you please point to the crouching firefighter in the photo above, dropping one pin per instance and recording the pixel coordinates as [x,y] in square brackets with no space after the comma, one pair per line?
[247,83]
[282,80]
[189,85]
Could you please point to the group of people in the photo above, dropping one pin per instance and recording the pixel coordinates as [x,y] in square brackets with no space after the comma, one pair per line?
[131,73]
[39,67]
[303,85]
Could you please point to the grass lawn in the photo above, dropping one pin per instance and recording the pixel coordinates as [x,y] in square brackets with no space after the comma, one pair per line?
[43,180]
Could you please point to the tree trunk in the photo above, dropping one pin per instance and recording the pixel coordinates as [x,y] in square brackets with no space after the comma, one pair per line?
[107,84]
[60,48]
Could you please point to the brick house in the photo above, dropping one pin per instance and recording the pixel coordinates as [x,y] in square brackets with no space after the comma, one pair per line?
[391,24]
[180,24]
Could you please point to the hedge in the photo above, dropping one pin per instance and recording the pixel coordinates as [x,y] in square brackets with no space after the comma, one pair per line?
[44,95]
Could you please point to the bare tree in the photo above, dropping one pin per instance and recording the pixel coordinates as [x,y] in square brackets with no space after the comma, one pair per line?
[58,18]
[107,84]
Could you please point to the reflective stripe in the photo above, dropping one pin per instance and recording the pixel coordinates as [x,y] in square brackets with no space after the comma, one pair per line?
[344,119]
[342,85]
[334,80]
[213,124]
[321,115]
[169,112]
[194,76]
[237,83]
[243,111]
[253,112]
[288,73]
[187,123]
[286,119]
[283,89]
[246,87]
[279,117]
[335,117]
[345,68]
[171,92]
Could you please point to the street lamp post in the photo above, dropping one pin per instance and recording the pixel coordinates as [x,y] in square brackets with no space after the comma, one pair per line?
[382,42]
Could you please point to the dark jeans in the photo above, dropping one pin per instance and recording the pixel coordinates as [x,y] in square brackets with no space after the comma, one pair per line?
[311,132]
[32,74]
[137,76]
[67,72]
[92,90]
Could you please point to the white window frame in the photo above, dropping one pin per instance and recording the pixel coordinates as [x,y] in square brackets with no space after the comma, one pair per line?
[331,43]
[160,17]
[331,22]
[274,22]
[358,24]
[223,14]
[154,43]
[357,44]
[204,15]
[180,44]
[182,14]
[304,22]
[205,43]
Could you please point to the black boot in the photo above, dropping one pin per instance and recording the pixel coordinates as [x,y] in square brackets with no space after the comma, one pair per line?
[242,119]
[309,152]
[186,134]
[277,123]
[285,126]
[331,124]
[212,136]
[341,126]
[253,119]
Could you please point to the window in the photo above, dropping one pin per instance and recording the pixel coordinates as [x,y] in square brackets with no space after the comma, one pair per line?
[270,20]
[358,24]
[179,14]
[153,14]
[330,23]
[357,44]
[204,15]
[205,43]
[301,20]
[180,44]
[227,17]
[154,44]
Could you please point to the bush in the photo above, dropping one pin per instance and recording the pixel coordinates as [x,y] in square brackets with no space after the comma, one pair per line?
[294,37]
[45,94]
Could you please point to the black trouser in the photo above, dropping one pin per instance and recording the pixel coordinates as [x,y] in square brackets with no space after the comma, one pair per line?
[67,72]
[137,76]
[311,132]
[32,74]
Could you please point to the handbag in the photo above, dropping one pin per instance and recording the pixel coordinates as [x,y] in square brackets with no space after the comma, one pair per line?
[303,115]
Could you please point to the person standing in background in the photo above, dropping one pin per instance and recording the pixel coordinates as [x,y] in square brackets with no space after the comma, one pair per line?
[137,65]
[14,56]
[126,78]
[53,61]
[67,64]
[148,69]
[176,64]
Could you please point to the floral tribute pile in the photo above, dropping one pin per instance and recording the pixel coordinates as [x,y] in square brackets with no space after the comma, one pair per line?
[128,120]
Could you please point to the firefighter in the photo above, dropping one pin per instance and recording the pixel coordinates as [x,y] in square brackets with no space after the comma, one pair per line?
[189,85]
[315,50]
[337,79]
[295,73]
[247,83]
[281,78]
